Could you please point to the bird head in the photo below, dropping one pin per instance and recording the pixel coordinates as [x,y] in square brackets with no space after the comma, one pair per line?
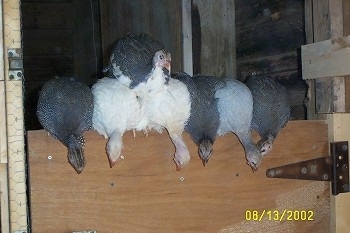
[163,60]
[205,150]
[75,155]
[265,145]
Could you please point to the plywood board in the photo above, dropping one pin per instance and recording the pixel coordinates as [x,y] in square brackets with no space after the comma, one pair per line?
[144,193]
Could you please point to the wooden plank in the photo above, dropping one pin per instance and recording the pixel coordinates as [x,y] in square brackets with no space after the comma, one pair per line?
[161,19]
[187,37]
[48,42]
[47,15]
[283,66]
[346,31]
[3,134]
[43,68]
[328,23]
[4,199]
[87,42]
[270,28]
[326,58]
[4,194]
[15,123]
[218,39]
[144,193]
[339,130]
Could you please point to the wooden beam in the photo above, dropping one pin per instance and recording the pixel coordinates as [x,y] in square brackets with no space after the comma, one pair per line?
[218,39]
[339,130]
[325,96]
[187,37]
[15,122]
[325,59]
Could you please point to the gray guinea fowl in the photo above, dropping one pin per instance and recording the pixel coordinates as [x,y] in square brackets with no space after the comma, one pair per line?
[235,105]
[204,119]
[65,109]
[271,110]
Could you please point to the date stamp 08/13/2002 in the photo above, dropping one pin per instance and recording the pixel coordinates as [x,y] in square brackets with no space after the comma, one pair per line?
[279,215]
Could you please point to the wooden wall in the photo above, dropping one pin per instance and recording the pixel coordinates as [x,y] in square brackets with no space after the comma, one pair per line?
[160,19]
[269,35]
[60,37]
[144,193]
[214,40]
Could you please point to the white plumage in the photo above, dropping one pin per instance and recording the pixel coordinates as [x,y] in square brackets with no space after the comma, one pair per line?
[116,110]
[153,105]
[167,106]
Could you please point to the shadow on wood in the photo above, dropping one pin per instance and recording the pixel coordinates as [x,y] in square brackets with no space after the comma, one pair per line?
[144,193]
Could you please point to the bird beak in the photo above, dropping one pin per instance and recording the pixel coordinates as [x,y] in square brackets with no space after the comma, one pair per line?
[167,66]
[205,161]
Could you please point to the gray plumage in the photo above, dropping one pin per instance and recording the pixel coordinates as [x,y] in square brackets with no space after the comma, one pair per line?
[204,119]
[271,109]
[65,108]
[235,105]
[133,56]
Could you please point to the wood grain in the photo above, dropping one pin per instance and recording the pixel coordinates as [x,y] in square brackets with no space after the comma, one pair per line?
[144,193]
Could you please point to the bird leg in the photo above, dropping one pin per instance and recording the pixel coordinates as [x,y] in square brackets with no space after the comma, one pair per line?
[182,155]
[114,148]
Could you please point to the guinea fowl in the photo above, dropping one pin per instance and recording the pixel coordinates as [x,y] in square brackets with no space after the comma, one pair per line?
[154,104]
[132,56]
[65,108]
[167,106]
[116,110]
[204,119]
[271,110]
[235,105]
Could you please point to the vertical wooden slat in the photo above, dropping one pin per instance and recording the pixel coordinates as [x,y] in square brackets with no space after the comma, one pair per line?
[339,130]
[346,32]
[328,23]
[187,37]
[15,122]
[4,198]
[159,18]
[218,40]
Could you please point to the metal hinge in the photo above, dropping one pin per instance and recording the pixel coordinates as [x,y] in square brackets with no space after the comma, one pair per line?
[334,168]
[15,63]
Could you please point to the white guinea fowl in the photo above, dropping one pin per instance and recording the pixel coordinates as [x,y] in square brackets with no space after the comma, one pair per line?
[235,106]
[116,110]
[167,106]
